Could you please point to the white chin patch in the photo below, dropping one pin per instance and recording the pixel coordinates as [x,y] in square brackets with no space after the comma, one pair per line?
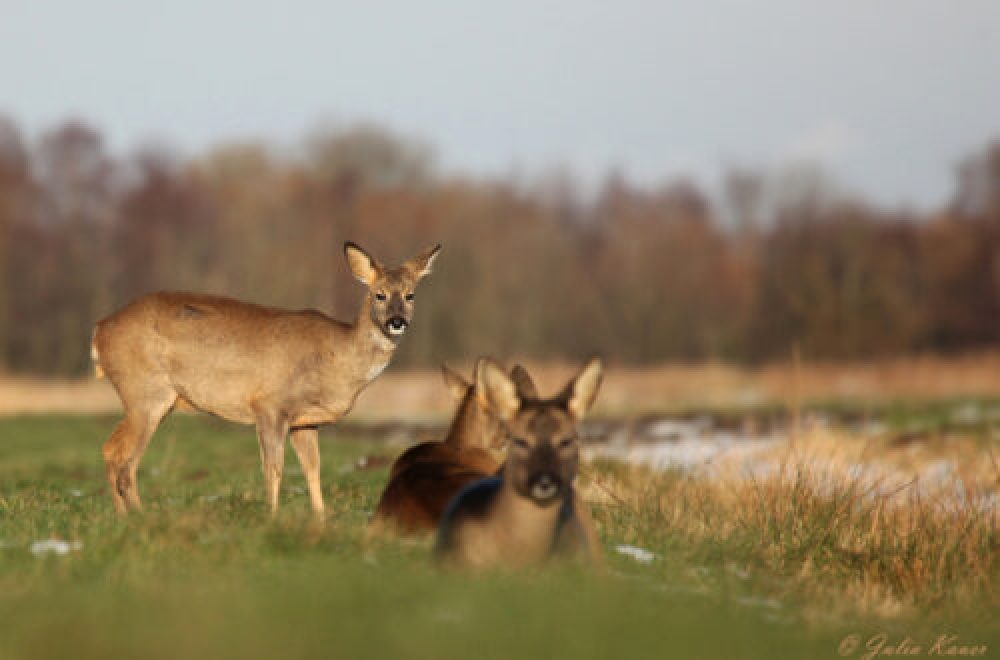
[544,491]
[395,332]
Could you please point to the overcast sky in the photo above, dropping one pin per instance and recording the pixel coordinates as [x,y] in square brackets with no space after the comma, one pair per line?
[887,94]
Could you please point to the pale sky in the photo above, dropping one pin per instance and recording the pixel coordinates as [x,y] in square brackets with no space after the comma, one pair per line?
[888,95]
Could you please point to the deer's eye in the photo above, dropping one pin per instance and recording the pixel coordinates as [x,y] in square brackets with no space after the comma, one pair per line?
[380,297]
[409,296]
[520,444]
[566,443]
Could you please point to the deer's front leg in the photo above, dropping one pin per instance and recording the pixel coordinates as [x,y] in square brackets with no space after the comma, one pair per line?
[305,440]
[271,434]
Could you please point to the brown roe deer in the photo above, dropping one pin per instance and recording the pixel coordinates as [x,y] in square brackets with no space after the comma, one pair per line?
[424,479]
[282,371]
[530,511]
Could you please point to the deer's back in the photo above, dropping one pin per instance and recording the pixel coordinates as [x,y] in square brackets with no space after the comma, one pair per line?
[425,479]
[473,458]
[220,354]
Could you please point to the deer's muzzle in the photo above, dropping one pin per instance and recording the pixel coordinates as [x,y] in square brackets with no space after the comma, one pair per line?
[545,487]
[396,325]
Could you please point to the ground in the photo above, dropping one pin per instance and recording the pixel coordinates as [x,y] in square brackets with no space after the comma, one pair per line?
[206,572]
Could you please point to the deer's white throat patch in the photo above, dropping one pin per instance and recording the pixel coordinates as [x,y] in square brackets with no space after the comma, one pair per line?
[382,342]
[377,369]
[384,345]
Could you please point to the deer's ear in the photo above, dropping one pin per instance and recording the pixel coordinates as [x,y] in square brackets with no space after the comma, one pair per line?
[457,386]
[580,393]
[420,265]
[525,385]
[496,390]
[362,265]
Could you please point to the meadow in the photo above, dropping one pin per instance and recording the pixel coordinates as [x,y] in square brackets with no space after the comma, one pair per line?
[796,447]
[788,566]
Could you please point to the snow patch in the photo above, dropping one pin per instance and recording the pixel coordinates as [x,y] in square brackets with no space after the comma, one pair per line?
[641,555]
[54,546]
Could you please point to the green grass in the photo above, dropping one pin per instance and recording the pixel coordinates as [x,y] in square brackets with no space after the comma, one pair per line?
[206,572]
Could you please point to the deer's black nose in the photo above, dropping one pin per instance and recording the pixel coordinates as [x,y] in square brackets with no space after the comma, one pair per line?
[396,325]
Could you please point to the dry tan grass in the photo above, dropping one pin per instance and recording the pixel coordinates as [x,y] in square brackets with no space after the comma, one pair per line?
[627,390]
[20,395]
[678,386]
[934,466]
[879,544]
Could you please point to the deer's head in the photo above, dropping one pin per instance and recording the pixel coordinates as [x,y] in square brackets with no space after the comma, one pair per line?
[391,291]
[478,423]
[543,448]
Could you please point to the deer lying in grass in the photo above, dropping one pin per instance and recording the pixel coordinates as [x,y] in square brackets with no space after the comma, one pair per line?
[530,511]
[427,476]
[279,370]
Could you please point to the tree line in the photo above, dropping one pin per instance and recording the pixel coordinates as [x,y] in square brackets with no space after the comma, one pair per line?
[536,269]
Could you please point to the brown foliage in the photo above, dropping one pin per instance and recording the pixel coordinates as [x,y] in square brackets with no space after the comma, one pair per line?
[636,275]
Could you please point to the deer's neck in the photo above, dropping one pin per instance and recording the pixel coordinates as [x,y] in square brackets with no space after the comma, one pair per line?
[352,358]
[530,529]
[369,350]
[470,426]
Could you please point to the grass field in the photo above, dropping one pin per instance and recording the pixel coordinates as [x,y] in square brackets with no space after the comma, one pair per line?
[764,570]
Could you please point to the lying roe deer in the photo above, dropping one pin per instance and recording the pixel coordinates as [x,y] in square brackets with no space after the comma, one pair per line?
[530,511]
[424,479]
[279,370]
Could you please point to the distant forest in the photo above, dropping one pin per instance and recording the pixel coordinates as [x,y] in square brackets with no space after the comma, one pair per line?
[530,268]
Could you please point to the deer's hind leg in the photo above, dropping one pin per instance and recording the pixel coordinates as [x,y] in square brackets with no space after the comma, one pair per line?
[124,449]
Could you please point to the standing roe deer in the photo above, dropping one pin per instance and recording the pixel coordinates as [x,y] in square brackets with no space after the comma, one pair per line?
[530,511]
[424,479]
[277,369]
